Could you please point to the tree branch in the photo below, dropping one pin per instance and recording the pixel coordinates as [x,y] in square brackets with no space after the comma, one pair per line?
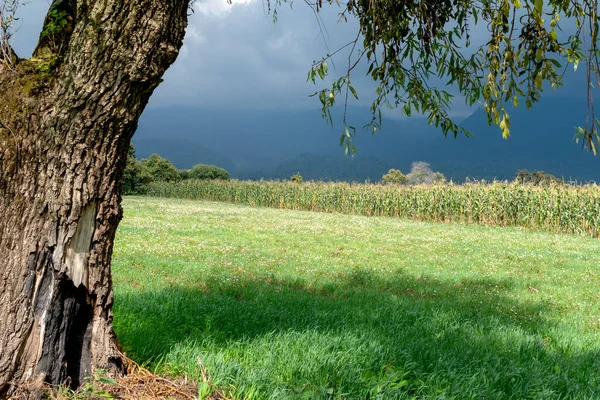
[57,28]
[8,57]
[8,10]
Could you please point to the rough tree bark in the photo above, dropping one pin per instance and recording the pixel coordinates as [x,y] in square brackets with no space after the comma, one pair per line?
[66,118]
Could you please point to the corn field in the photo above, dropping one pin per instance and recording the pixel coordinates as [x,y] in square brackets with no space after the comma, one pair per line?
[560,208]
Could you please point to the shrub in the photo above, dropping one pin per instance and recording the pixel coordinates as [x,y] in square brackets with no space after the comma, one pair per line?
[537,178]
[205,172]
[184,174]
[161,169]
[136,178]
[394,177]
[297,178]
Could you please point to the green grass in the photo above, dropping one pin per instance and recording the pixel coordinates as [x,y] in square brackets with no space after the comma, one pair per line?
[282,304]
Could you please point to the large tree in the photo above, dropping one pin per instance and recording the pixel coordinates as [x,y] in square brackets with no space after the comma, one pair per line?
[67,115]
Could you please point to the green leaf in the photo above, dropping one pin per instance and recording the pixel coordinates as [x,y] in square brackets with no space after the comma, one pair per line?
[539,5]
[353,92]
[504,124]
[370,68]
[107,380]
[555,62]
[539,80]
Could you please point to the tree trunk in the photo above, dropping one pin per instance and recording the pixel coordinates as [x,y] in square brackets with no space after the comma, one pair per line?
[66,119]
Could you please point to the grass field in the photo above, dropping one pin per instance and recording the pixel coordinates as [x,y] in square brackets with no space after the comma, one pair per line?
[281,304]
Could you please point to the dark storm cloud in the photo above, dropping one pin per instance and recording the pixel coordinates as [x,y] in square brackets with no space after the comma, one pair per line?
[234,56]
[240,58]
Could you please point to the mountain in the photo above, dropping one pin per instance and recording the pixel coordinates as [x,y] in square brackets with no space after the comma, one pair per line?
[541,139]
[325,168]
[277,144]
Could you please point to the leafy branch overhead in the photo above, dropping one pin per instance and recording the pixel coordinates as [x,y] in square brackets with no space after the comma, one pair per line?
[409,47]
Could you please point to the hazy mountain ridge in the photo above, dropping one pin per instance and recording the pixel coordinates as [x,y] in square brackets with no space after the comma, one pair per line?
[254,145]
[325,168]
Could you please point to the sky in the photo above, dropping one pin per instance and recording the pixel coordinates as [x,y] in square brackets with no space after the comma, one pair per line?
[235,57]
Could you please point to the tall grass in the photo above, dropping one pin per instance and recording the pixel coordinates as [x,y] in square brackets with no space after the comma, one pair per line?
[561,208]
[292,305]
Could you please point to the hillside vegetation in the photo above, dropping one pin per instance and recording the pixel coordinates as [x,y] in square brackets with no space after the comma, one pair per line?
[289,305]
[555,208]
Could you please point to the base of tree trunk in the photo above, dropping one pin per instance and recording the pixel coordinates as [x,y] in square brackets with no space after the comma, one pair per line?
[136,383]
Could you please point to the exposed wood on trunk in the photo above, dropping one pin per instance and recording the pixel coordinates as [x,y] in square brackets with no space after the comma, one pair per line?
[77,253]
[67,120]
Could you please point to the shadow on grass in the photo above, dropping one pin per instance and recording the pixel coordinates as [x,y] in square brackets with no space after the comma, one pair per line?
[464,339]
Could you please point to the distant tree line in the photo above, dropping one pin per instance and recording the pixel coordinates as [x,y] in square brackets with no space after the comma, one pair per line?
[422,174]
[139,174]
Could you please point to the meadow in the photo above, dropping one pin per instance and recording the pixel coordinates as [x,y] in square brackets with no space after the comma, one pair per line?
[284,304]
[554,208]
